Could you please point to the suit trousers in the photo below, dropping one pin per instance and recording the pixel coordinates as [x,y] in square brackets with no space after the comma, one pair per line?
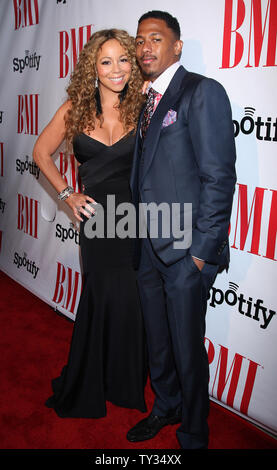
[174,303]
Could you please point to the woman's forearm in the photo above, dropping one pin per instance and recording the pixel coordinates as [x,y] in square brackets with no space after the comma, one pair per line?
[49,169]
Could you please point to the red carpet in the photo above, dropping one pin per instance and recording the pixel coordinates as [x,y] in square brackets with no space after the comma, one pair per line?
[33,348]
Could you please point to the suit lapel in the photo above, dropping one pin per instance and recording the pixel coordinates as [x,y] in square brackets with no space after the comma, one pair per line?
[153,133]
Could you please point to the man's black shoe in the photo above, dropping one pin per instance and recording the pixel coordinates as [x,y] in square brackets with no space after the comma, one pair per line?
[148,427]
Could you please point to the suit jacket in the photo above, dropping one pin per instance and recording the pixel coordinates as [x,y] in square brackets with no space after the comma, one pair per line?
[191,160]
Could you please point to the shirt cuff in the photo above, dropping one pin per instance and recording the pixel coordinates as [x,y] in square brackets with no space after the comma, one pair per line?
[198,258]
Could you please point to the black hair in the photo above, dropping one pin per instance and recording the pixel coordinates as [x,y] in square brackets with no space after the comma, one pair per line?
[170,21]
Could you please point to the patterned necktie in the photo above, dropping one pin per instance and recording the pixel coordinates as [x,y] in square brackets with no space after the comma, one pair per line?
[151,104]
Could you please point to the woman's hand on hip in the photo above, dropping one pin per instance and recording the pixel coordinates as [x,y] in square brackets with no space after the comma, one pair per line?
[81,204]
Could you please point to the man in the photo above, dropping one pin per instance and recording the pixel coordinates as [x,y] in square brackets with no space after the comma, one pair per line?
[185,153]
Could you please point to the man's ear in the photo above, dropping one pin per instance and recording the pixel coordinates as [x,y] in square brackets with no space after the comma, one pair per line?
[178,47]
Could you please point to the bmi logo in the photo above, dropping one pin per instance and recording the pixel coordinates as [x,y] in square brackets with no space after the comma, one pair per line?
[67,287]
[26,13]
[265,129]
[246,306]
[69,171]
[27,114]
[232,376]
[249,35]
[70,45]
[248,232]
[27,215]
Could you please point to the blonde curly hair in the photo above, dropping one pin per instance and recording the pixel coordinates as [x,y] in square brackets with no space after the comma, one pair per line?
[82,90]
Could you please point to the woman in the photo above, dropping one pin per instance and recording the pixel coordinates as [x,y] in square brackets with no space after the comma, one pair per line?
[107,354]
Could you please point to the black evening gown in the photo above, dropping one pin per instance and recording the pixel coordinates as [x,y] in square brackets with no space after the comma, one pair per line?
[107,359]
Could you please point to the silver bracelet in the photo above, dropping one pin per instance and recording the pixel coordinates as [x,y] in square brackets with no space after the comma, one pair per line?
[65,193]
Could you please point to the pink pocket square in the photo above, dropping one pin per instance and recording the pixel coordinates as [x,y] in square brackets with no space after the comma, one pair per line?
[170,118]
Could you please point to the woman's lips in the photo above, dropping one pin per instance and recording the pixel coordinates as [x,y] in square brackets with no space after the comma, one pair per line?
[117,80]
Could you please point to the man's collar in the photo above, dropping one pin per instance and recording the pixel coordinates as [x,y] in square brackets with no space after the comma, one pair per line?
[161,83]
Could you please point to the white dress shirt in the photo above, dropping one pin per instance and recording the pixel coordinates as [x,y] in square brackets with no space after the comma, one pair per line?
[161,83]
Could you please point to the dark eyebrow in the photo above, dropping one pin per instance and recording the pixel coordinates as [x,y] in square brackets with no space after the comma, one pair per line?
[152,34]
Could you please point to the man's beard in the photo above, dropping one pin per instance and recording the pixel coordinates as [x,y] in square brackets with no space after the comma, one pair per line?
[149,75]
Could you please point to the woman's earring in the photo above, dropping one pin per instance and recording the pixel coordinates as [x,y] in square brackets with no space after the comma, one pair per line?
[98,102]
[96,82]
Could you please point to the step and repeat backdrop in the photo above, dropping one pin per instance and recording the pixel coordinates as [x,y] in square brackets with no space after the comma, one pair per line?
[232,41]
